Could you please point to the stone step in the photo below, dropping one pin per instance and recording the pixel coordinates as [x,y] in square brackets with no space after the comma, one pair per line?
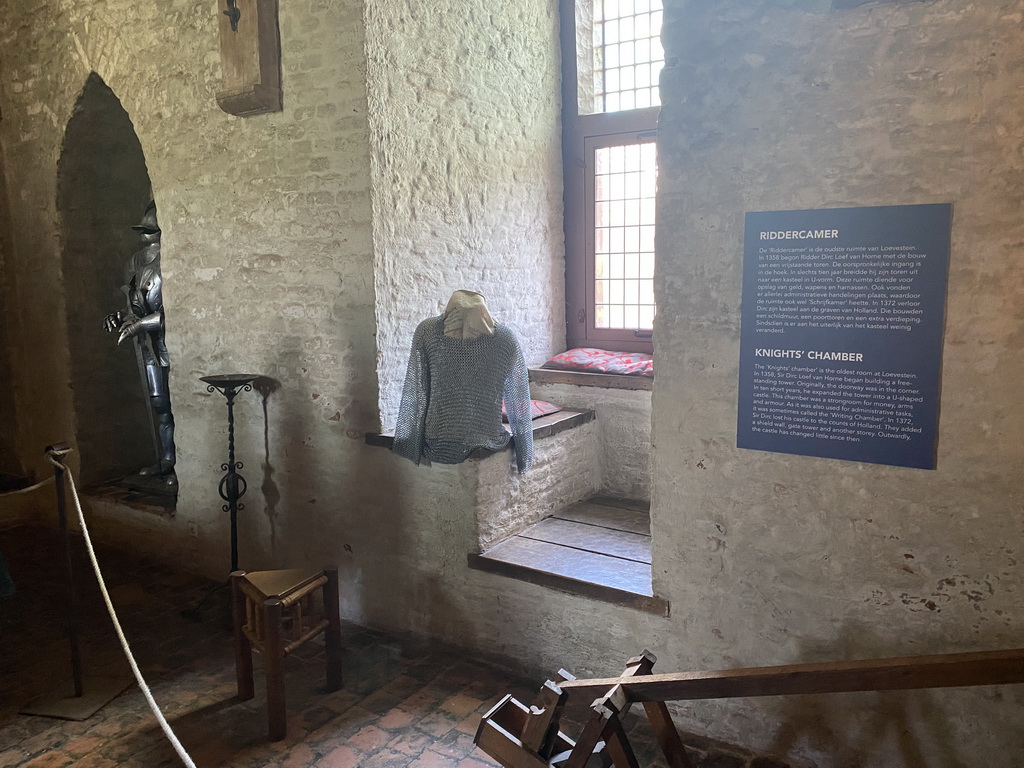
[599,548]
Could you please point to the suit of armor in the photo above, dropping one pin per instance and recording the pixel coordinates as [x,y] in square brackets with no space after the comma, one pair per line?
[144,320]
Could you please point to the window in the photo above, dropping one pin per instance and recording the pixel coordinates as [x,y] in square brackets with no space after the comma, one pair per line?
[611,60]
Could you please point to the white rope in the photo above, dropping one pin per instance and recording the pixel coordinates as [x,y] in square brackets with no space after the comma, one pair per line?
[40,484]
[117,625]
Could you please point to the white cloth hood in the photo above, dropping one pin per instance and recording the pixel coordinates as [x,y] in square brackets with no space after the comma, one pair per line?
[466,316]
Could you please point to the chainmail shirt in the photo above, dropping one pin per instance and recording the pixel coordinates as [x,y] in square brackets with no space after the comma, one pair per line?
[451,400]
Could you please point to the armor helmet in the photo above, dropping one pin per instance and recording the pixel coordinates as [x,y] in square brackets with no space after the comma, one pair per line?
[148,224]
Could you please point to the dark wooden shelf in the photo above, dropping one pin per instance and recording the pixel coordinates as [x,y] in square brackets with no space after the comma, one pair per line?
[581,379]
[544,426]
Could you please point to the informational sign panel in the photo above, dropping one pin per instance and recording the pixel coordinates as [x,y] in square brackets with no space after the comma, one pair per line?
[841,339]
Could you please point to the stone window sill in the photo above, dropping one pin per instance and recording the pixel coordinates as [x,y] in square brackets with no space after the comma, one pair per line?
[545,426]
[580,379]
[606,556]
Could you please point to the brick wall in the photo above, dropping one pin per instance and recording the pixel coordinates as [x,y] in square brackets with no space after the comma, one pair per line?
[624,426]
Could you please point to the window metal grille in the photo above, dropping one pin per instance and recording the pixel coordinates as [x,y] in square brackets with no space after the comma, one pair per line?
[625,183]
[628,54]
[612,60]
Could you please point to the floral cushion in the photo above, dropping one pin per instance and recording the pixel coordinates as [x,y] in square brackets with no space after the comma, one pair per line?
[590,360]
[538,408]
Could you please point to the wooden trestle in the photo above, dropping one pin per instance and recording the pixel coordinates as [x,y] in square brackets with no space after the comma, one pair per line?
[518,736]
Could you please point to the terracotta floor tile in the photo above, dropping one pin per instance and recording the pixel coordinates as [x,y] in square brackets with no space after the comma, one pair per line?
[480,760]
[386,759]
[420,703]
[190,666]
[431,759]
[341,757]
[404,703]
[460,704]
[454,744]
[437,724]
[369,739]
[410,742]
[469,724]
[396,719]
[53,759]
[83,745]
[94,761]
[299,756]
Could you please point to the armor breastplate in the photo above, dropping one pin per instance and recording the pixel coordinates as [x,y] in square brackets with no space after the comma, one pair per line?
[143,281]
[145,289]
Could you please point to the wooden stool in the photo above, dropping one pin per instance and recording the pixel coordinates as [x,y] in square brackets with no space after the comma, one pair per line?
[275,612]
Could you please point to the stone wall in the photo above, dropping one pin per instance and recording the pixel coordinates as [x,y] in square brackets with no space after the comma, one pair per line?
[566,469]
[623,421]
[269,257]
[467,191]
[276,263]
[775,558]
[267,253]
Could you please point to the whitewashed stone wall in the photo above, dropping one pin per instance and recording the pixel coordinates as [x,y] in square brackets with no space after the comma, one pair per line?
[467,191]
[276,264]
[775,558]
[624,427]
[566,469]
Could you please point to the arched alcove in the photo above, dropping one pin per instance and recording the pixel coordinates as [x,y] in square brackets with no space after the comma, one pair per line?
[103,188]
[10,466]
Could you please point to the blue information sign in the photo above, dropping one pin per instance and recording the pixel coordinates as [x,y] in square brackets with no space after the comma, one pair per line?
[841,340]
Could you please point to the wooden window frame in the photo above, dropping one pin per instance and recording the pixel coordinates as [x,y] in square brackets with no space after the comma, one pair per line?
[580,131]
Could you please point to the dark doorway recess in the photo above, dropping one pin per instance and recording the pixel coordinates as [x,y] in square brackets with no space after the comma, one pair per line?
[103,188]
[11,469]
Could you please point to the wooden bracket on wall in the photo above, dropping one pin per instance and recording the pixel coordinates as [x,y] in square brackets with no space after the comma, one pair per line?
[250,56]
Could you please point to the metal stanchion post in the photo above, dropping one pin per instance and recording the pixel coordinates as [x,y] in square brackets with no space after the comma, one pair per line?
[76,703]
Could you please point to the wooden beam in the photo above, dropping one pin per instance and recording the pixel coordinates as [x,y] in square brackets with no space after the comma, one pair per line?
[541,730]
[657,713]
[902,673]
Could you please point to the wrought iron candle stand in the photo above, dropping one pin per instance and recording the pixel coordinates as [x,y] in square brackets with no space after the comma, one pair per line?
[232,486]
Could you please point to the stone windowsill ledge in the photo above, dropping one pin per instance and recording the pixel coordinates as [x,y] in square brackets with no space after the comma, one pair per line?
[581,379]
[545,426]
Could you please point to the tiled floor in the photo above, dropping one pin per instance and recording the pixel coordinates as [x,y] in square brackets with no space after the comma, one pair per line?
[401,705]
[404,703]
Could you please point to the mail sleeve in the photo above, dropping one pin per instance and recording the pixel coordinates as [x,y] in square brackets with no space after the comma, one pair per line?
[517,405]
[412,411]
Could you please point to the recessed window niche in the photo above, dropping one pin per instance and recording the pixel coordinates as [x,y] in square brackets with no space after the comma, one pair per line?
[103,188]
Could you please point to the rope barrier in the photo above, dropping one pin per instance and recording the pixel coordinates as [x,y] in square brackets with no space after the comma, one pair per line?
[117,624]
[40,484]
